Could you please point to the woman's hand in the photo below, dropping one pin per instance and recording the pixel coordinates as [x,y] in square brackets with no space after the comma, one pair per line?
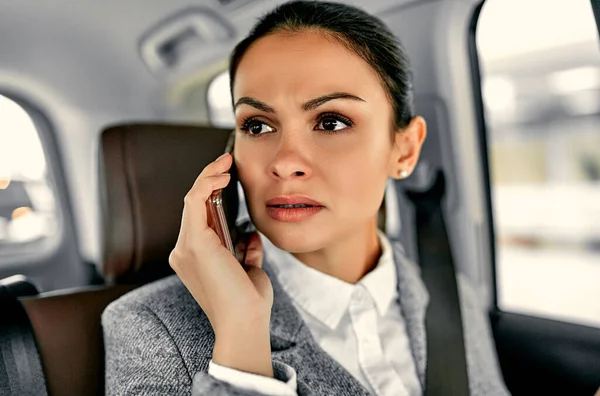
[236,299]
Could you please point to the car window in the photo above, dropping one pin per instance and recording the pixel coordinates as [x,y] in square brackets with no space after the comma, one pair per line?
[27,204]
[540,76]
[219,102]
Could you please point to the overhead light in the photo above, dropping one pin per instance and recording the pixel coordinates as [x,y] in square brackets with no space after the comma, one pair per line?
[574,80]
[4,183]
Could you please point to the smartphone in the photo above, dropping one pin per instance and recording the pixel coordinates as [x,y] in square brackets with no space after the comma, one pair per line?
[218,220]
[222,207]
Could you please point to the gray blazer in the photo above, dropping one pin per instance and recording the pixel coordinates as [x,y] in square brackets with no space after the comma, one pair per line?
[159,341]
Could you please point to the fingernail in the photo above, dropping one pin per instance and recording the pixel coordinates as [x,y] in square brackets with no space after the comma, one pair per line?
[221,157]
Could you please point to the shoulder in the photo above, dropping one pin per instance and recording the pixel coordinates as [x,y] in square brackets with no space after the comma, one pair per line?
[157,298]
[485,375]
[162,312]
[472,297]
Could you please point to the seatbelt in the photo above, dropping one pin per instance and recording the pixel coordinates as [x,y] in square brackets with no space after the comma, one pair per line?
[20,365]
[446,372]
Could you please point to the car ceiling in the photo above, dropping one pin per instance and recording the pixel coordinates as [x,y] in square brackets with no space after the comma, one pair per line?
[60,42]
[80,64]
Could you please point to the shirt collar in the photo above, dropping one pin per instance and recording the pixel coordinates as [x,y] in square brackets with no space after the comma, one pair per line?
[381,282]
[325,297]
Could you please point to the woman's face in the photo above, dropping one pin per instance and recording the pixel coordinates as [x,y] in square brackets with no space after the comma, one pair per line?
[314,128]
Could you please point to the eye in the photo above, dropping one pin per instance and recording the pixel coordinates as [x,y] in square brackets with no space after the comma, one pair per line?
[255,127]
[333,123]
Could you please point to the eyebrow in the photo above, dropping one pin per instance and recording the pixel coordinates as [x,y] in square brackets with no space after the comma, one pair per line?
[310,105]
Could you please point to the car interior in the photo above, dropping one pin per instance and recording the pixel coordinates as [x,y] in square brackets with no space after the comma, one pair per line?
[109,111]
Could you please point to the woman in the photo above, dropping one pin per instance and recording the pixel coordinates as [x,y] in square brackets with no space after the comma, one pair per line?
[323,102]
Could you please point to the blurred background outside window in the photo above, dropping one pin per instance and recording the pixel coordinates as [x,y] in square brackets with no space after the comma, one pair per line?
[540,66]
[27,204]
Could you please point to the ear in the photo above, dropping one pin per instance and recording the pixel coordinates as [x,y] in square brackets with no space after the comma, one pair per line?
[407,148]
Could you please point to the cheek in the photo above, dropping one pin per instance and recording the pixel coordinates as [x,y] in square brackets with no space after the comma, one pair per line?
[357,181]
[364,182]
[359,176]
[250,171]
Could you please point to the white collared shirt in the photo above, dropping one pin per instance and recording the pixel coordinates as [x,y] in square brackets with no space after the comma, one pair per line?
[360,325]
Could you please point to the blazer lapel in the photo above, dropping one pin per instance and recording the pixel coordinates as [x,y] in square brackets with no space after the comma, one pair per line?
[293,344]
[413,299]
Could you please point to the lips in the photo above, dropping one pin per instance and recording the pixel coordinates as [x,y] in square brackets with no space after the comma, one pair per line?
[293,201]
[293,209]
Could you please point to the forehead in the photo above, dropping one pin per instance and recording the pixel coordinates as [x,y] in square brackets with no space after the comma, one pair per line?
[305,63]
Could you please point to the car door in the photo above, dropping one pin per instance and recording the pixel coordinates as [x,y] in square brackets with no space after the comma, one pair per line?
[509,90]
[538,66]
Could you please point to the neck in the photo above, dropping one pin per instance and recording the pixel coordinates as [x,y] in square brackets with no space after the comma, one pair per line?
[350,257]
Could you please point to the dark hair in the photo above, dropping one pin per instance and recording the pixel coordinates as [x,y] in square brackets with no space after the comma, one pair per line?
[359,31]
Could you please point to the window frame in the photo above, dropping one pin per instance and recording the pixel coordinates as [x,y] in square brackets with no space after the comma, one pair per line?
[31,253]
[483,147]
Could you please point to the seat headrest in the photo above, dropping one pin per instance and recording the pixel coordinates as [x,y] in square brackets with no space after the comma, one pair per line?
[146,171]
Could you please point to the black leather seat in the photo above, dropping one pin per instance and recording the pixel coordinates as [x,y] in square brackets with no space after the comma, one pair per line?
[21,371]
[146,172]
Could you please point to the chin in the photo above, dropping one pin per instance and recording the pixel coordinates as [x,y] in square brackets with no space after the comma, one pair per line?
[296,238]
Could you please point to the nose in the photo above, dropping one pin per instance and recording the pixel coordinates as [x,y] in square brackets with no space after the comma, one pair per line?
[289,161]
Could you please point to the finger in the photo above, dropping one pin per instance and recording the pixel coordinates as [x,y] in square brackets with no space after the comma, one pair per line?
[194,208]
[215,168]
[205,187]
[220,165]
[240,246]
[254,251]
